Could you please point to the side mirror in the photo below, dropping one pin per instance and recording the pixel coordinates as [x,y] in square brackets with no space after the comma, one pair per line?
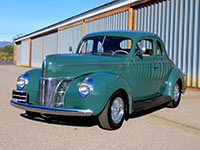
[70,49]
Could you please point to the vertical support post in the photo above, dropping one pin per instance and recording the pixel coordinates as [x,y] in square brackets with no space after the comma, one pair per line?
[83,31]
[133,23]
[15,53]
[30,52]
[131,18]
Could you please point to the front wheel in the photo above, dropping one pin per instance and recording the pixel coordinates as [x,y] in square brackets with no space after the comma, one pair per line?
[177,96]
[113,114]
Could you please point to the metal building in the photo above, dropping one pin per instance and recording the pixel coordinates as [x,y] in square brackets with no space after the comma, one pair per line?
[177,22]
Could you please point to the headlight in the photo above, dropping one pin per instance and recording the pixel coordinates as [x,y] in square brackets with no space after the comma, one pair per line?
[22,81]
[86,87]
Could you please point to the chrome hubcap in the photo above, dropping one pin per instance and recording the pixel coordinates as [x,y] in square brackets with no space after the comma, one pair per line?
[176,93]
[117,110]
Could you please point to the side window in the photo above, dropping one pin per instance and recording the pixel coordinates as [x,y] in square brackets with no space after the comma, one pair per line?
[159,49]
[89,46]
[86,46]
[146,46]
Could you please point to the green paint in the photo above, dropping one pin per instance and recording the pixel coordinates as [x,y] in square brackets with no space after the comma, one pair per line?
[33,86]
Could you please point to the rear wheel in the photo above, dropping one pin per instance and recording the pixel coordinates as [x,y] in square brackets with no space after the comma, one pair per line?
[113,114]
[177,96]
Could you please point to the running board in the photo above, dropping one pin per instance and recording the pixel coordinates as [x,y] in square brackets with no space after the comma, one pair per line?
[149,103]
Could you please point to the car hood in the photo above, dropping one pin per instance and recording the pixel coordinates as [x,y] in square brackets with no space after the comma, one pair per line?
[75,65]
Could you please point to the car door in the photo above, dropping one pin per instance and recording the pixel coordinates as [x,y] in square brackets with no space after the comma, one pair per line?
[163,63]
[145,70]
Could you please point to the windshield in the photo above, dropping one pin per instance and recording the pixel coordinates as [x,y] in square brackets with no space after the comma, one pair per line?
[105,44]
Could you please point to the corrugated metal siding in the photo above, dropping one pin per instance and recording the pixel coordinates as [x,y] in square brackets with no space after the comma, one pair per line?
[69,37]
[25,51]
[37,54]
[118,21]
[177,22]
[19,54]
[50,44]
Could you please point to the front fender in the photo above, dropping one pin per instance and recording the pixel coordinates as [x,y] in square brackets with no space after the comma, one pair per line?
[105,84]
[33,85]
[174,76]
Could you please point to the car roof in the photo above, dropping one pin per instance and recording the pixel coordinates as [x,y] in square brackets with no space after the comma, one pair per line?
[126,33]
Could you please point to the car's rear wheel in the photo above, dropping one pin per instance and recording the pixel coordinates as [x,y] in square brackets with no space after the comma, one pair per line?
[177,96]
[113,114]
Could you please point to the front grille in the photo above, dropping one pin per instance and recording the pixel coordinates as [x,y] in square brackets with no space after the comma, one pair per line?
[49,87]
[60,93]
[20,96]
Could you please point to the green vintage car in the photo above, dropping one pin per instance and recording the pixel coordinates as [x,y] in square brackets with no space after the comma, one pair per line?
[111,75]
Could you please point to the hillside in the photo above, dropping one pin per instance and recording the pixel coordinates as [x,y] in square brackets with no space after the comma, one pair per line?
[4,43]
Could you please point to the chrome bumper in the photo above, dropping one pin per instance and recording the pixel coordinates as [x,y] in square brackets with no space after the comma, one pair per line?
[51,110]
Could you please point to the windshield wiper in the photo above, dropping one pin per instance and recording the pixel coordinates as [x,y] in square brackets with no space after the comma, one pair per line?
[100,49]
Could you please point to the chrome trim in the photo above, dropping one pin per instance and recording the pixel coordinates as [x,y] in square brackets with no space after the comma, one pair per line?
[113,64]
[117,110]
[47,91]
[20,96]
[52,110]
[176,93]
[90,86]
[25,78]
[42,92]
[158,62]
[44,65]
[19,91]
[61,78]
[57,92]
[20,100]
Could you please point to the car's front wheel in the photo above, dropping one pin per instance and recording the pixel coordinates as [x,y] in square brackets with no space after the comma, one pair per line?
[113,114]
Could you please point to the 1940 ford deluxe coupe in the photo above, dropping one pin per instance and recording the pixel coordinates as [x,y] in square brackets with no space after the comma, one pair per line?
[111,75]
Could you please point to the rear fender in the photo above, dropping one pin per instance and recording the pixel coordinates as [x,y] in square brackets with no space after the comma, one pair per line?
[174,76]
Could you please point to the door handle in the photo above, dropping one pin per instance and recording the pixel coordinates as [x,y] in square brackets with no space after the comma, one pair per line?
[155,67]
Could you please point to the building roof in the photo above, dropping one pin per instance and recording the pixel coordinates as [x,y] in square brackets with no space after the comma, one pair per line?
[92,12]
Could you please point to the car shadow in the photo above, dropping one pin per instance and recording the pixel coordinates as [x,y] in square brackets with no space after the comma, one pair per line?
[67,121]
[146,112]
[83,121]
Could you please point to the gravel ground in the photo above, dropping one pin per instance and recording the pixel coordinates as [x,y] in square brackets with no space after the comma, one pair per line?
[158,129]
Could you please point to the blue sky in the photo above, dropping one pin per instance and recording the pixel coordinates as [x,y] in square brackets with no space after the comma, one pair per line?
[25,16]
